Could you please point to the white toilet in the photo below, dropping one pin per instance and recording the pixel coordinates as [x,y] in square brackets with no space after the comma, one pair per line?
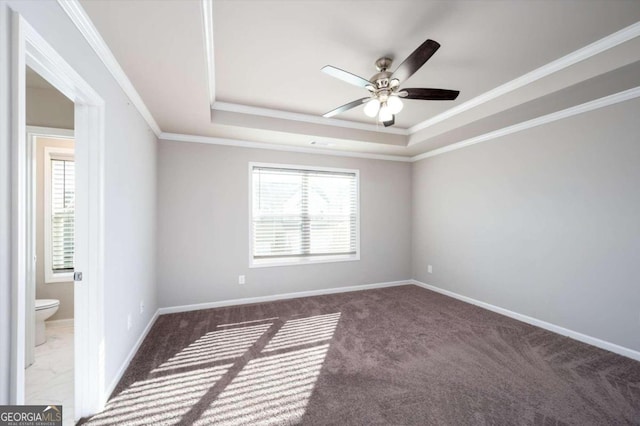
[44,309]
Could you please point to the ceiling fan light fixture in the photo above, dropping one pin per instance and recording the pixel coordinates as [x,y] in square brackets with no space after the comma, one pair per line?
[372,107]
[395,104]
[385,94]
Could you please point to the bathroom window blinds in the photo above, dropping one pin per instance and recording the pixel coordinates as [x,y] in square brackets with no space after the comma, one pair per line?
[303,215]
[62,214]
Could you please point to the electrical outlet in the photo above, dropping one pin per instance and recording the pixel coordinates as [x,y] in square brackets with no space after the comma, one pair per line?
[430,269]
[141,306]
[129,322]
[241,279]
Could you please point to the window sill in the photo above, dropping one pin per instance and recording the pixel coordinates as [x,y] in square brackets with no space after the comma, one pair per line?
[59,278]
[294,261]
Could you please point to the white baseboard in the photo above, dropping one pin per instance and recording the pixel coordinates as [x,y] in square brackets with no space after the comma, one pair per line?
[602,344]
[67,322]
[283,296]
[127,361]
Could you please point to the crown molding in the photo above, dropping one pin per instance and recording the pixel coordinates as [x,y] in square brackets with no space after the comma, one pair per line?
[545,119]
[549,118]
[207,31]
[572,58]
[84,24]
[306,118]
[177,137]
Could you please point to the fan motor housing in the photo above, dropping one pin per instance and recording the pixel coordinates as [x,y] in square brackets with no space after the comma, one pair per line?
[381,79]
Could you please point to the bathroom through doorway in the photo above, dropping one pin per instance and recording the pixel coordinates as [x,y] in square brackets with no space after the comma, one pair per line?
[49,325]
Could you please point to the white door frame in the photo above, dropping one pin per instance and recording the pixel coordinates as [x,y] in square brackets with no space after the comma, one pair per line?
[29,48]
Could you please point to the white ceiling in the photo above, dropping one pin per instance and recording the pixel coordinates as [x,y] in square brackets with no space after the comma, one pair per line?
[268,54]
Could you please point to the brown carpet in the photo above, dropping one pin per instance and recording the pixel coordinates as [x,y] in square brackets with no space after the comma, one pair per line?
[401,356]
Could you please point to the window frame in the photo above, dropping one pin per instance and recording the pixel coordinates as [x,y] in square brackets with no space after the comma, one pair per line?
[52,153]
[306,260]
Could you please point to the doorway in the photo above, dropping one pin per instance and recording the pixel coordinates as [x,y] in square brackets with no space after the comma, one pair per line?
[31,50]
[49,328]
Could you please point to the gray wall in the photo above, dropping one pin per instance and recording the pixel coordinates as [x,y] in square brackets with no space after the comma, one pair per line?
[545,222]
[48,108]
[63,291]
[129,195]
[203,224]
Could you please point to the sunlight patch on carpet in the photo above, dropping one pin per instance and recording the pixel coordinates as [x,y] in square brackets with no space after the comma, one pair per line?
[276,387]
[162,398]
[215,346]
[217,379]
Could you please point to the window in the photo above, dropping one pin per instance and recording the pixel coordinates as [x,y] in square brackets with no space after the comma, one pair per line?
[59,176]
[303,214]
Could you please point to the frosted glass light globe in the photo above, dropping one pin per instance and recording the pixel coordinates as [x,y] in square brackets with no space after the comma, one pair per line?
[395,104]
[372,107]
[385,114]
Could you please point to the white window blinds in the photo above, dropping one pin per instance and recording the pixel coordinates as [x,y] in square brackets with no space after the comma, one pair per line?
[62,214]
[303,213]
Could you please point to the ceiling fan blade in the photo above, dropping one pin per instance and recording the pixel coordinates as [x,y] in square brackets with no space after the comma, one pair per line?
[429,94]
[345,76]
[390,122]
[416,60]
[345,107]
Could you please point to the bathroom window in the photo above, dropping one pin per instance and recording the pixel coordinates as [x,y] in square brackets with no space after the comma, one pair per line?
[302,215]
[59,206]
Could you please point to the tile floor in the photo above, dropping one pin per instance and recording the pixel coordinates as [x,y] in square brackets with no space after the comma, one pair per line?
[49,380]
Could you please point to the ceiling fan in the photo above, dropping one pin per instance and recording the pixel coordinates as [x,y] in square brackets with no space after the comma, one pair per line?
[384,87]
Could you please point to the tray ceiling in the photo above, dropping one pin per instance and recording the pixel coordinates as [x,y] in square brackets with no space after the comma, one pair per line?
[268,55]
